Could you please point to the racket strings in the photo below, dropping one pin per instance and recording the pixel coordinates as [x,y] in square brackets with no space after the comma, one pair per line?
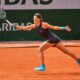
[2,14]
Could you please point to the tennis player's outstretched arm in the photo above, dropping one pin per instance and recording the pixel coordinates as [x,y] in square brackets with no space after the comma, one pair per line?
[67,28]
[29,27]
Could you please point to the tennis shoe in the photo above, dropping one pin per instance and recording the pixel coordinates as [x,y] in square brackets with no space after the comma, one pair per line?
[78,61]
[41,68]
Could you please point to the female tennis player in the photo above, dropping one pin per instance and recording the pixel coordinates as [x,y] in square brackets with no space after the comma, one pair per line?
[52,39]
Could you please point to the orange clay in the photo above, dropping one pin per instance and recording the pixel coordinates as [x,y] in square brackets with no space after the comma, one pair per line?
[19,64]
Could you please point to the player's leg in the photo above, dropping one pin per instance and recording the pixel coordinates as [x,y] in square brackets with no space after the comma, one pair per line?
[65,50]
[42,48]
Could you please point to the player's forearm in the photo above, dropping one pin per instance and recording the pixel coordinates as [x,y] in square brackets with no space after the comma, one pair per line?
[60,28]
[20,27]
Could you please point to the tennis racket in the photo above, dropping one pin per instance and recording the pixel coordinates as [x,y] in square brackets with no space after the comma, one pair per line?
[3,15]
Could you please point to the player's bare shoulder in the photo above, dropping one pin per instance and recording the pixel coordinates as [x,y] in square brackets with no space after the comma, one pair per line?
[44,25]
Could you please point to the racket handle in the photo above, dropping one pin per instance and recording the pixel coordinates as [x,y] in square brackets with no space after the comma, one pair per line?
[8,21]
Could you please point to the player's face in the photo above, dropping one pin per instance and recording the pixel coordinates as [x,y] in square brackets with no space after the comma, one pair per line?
[36,19]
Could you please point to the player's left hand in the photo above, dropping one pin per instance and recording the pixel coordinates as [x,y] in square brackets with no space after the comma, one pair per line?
[10,25]
[68,28]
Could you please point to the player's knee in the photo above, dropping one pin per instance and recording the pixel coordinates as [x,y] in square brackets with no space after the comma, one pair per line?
[40,49]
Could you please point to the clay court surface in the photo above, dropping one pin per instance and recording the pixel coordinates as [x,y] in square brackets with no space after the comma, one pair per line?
[18,60]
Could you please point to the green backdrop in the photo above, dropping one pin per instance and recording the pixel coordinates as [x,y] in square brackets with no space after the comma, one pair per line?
[59,17]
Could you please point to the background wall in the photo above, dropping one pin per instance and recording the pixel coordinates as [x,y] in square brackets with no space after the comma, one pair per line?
[55,12]
[55,17]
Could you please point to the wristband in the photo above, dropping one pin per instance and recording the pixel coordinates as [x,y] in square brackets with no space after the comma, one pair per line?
[63,28]
[14,25]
